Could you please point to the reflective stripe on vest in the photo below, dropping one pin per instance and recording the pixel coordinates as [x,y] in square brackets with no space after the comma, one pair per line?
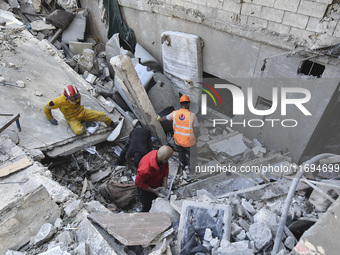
[183,128]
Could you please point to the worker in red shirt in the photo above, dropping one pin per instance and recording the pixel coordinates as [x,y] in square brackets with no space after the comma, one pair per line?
[152,173]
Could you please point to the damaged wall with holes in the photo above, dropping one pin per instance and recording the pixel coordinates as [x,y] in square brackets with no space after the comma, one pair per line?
[252,44]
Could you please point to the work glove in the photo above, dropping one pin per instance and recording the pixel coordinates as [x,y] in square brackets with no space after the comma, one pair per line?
[54,122]
[158,117]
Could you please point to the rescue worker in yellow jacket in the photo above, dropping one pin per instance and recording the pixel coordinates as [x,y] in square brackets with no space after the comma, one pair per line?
[75,113]
[185,127]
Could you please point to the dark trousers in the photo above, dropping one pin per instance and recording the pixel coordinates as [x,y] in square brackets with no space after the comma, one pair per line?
[192,156]
[146,198]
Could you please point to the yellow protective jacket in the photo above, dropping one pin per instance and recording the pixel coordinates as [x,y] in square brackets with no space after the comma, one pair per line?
[69,110]
[183,121]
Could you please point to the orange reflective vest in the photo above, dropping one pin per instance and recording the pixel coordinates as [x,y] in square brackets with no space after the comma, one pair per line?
[183,122]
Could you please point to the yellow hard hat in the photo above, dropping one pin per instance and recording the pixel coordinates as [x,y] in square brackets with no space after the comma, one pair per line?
[184,98]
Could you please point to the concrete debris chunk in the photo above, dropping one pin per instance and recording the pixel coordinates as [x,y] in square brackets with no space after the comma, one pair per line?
[73,208]
[31,211]
[45,233]
[78,47]
[267,217]
[247,206]
[161,205]
[260,234]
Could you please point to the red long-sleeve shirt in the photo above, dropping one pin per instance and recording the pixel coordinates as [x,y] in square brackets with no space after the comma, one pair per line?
[149,173]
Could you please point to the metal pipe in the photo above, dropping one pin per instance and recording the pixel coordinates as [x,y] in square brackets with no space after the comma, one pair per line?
[289,198]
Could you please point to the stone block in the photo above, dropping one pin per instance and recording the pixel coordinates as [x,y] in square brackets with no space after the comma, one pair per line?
[279,28]
[22,218]
[214,3]
[231,6]
[257,22]
[295,20]
[291,5]
[300,33]
[272,14]
[251,10]
[312,9]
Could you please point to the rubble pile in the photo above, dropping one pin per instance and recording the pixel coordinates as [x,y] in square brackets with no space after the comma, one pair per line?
[85,204]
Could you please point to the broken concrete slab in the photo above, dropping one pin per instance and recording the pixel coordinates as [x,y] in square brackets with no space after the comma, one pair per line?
[97,240]
[136,94]
[180,65]
[217,185]
[133,228]
[22,211]
[76,29]
[232,146]
[54,68]
[201,215]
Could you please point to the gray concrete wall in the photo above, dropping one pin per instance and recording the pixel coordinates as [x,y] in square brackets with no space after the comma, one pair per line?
[235,51]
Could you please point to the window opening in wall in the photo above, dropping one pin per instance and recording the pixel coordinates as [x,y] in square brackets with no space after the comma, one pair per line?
[263,104]
[311,68]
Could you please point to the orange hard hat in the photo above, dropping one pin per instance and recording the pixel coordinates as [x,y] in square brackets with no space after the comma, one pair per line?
[184,98]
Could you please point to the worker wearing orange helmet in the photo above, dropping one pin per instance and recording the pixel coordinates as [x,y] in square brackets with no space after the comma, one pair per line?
[74,113]
[185,127]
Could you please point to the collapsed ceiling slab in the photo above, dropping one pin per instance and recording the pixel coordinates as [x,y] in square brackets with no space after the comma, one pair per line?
[44,74]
